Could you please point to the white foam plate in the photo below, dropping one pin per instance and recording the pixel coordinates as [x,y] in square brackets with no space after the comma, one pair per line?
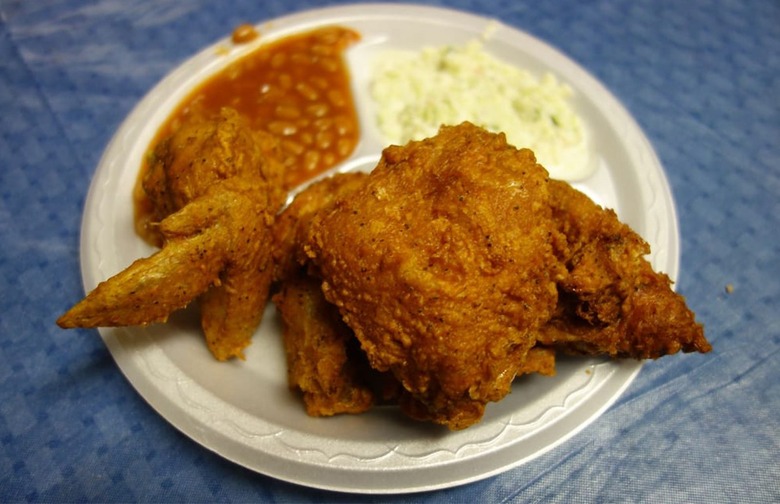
[244,411]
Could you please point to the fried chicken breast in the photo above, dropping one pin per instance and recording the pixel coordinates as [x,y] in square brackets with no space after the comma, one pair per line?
[424,267]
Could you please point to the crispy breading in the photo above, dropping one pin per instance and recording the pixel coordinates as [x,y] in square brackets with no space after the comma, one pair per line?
[292,224]
[540,359]
[611,300]
[323,361]
[424,266]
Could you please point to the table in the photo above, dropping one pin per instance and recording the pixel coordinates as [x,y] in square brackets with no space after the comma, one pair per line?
[702,78]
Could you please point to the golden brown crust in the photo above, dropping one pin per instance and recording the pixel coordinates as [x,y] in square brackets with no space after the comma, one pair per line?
[432,282]
[611,300]
[292,224]
[206,150]
[424,267]
[331,378]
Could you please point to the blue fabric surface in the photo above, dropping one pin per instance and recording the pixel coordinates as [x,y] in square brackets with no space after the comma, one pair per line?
[702,78]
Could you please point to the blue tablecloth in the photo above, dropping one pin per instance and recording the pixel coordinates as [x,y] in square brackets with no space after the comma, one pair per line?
[702,78]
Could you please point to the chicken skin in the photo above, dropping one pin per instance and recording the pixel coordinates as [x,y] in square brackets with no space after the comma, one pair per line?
[431,283]
[611,301]
[215,187]
[423,266]
[324,361]
[292,224]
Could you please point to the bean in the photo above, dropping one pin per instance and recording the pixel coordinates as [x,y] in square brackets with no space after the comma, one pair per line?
[344,146]
[233,72]
[329,37]
[307,138]
[285,81]
[301,59]
[320,82]
[324,139]
[287,111]
[278,59]
[283,128]
[318,109]
[336,97]
[323,123]
[343,125]
[244,33]
[310,160]
[322,50]
[290,161]
[293,147]
[329,64]
[307,91]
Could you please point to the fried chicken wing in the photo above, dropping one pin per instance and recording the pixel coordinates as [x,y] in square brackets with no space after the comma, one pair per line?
[215,188]
[206,150]
[423,266]
[611,301]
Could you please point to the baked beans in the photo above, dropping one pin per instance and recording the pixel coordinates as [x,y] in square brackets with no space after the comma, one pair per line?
[297,88]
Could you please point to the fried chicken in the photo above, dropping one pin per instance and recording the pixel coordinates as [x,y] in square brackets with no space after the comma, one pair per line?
[215,187]
[432,282]
[324,361]
[425,268]
[292,224]
[611,301]
[459,265]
